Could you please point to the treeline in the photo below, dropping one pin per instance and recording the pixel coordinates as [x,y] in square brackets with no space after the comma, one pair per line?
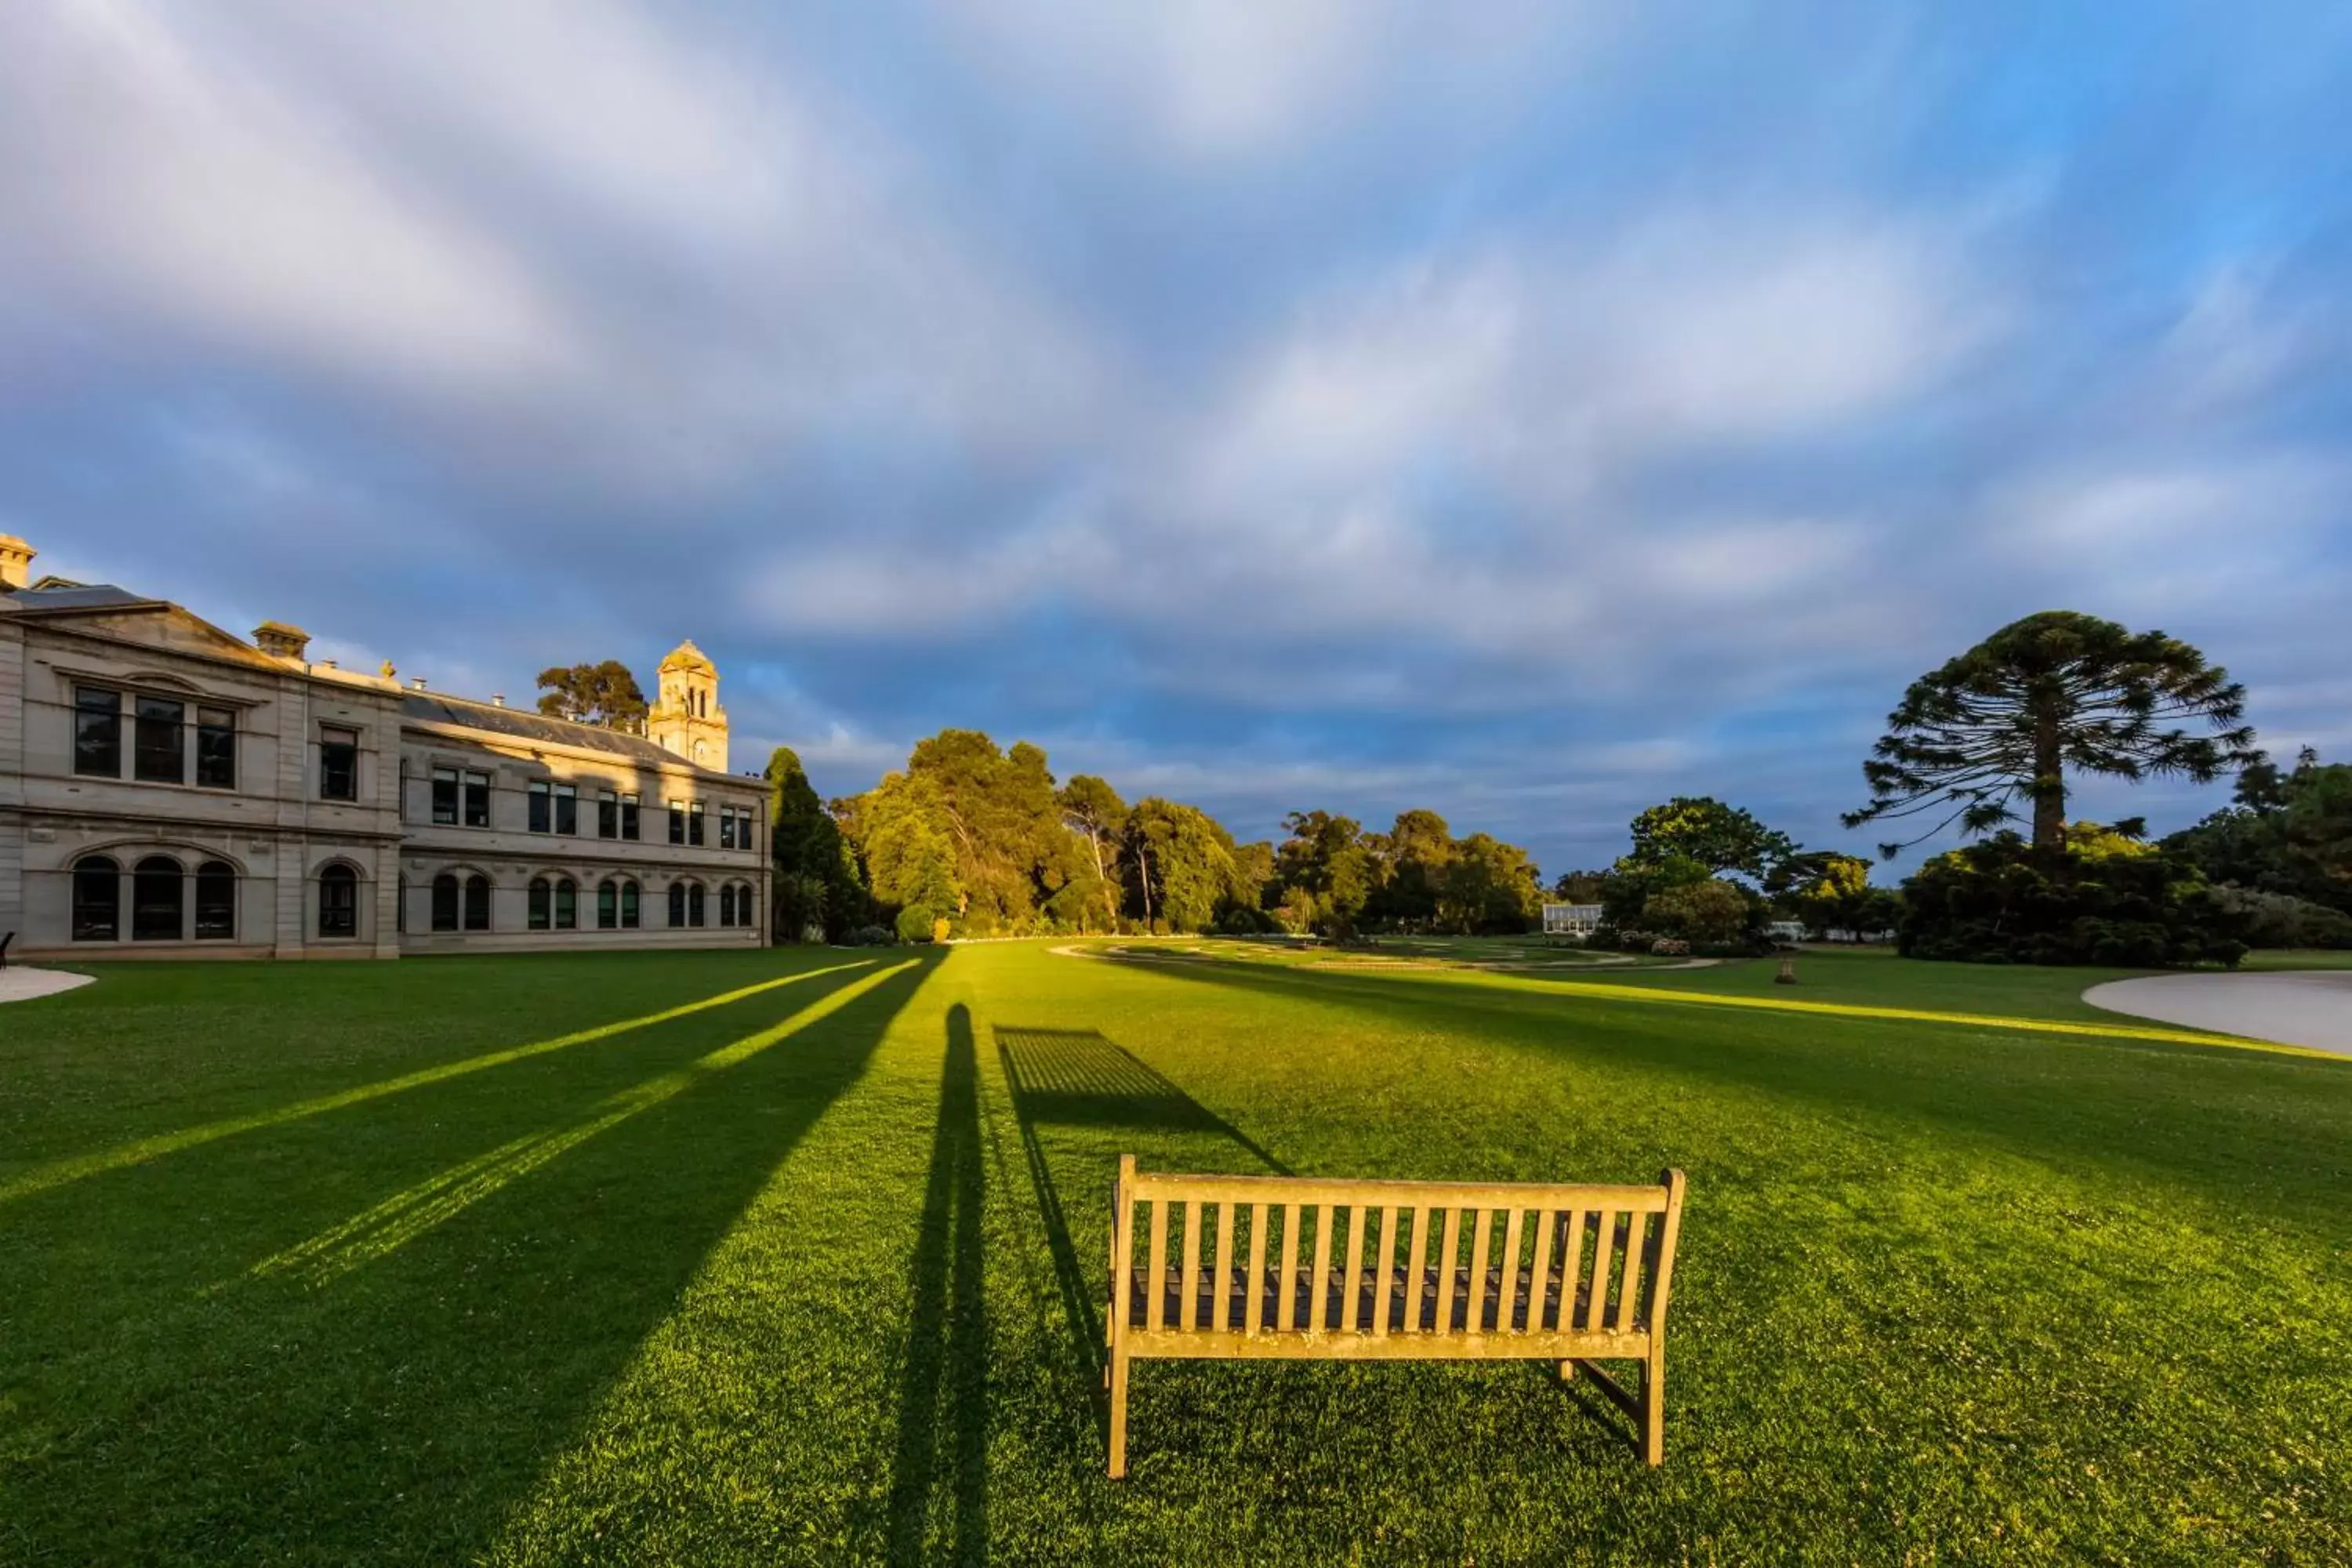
[973,840]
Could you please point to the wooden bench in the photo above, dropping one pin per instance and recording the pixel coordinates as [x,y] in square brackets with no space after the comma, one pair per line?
[1239,1268]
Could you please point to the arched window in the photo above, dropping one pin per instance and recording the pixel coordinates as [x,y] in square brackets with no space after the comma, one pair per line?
[157,893]
[743,905]
[608,905]
[677,903]
[629,912]
[97,899]
[538,918]
[694,904]
[215,901]
[567,904]
[477,903]
[445,902]
[727,905]
[338,901]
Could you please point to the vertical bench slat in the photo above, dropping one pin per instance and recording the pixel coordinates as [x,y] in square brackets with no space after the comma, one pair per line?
[1540,1276]
[1507,1315]
[1156,1304]
[1385,1258]
[1571,1270]
[1416,1286]
[1319,1309]
[1351,1310]
[1481,1237]
[1288,1318]
[1452,1245]
[1635,1224]
[1253,1307]
[1220,1315]
[1604,1233]
[1188,1269]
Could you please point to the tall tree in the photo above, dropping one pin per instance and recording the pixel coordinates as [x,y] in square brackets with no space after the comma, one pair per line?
[1187,867]
[1092,810]
[1325,855]
[605,695]
[1701,828]
[2000,727]
[816,883]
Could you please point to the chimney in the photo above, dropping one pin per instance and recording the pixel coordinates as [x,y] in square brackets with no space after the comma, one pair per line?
[498,699]
[416,683]
[279,640]
[16,563]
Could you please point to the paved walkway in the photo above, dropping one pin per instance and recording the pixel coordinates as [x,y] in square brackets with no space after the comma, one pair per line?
[2302,1007]
[18,984]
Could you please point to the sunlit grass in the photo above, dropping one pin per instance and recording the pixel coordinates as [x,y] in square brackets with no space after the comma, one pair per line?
[813,1275]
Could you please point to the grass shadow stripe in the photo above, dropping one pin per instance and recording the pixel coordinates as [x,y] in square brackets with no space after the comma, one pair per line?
[410,1212]
[61,1172]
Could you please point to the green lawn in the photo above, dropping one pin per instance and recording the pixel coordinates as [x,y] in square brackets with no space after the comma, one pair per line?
[430,1262]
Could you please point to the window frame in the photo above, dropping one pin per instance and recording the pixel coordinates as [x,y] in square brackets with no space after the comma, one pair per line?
[215,739]
[91,873]
[477,882]
[567,904]
[207,883]
[339,911]
[567,810]
[146,873]
[327,773]
[147,747]
[448,796]
[608,813]
[94,718]
[538,905]
[608,905]
[694,831]
[629,808]
[453,886]
[676,820]
[474,787]
[632,913]
[540,816]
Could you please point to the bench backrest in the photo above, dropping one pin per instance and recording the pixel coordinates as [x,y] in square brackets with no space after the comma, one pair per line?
[1258,1255]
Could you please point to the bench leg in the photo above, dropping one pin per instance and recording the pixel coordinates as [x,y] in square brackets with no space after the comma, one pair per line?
[1653,1409]
[1117,1415]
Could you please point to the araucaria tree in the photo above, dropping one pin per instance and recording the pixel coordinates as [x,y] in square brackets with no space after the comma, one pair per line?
[1993,734]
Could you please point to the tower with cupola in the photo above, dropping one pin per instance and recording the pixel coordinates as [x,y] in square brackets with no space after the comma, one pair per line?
[686,717]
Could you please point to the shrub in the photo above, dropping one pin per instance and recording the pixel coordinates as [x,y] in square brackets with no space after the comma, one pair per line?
[2282,920]
[1670,947]
[2004,901]
[915,923]
[870,936]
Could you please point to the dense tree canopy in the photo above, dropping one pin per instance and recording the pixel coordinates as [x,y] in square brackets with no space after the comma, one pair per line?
[605,695]
[817,888]
[2290,835]
[2000,727]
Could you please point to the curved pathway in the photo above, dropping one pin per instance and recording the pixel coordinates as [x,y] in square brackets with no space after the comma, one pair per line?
[2299,1007]
[18,984]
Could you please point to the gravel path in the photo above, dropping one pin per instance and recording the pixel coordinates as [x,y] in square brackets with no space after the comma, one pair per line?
[18,984]
[2303,1007]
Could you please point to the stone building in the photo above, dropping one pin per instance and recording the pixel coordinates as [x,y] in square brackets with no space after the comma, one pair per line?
[170,790]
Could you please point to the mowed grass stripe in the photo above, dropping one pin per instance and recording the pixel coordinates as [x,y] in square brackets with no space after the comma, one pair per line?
[1603,990]
[58,1173]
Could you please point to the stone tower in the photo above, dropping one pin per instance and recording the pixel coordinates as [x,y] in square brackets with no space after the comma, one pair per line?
[686,717]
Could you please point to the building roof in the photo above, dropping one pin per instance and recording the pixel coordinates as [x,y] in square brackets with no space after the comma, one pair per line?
[72,597]
[522,724]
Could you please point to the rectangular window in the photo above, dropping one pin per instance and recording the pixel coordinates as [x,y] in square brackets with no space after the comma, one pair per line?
[727,827]
[567,809]
[159,750]
[629,818]
[444,796]
[608,814]
[217,748]
[694,825]
[477,800]
[98,731]
[677,821]
[543,816]
[339,763]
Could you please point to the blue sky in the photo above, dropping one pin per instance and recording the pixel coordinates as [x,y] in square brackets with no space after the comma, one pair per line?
[1526,411]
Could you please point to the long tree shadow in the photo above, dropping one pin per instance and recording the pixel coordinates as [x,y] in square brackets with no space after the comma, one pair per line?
[397,1414]
[2044,1095]
[1083,1078]
[945,1380]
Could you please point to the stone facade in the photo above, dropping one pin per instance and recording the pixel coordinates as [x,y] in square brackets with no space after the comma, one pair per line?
[170,790]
